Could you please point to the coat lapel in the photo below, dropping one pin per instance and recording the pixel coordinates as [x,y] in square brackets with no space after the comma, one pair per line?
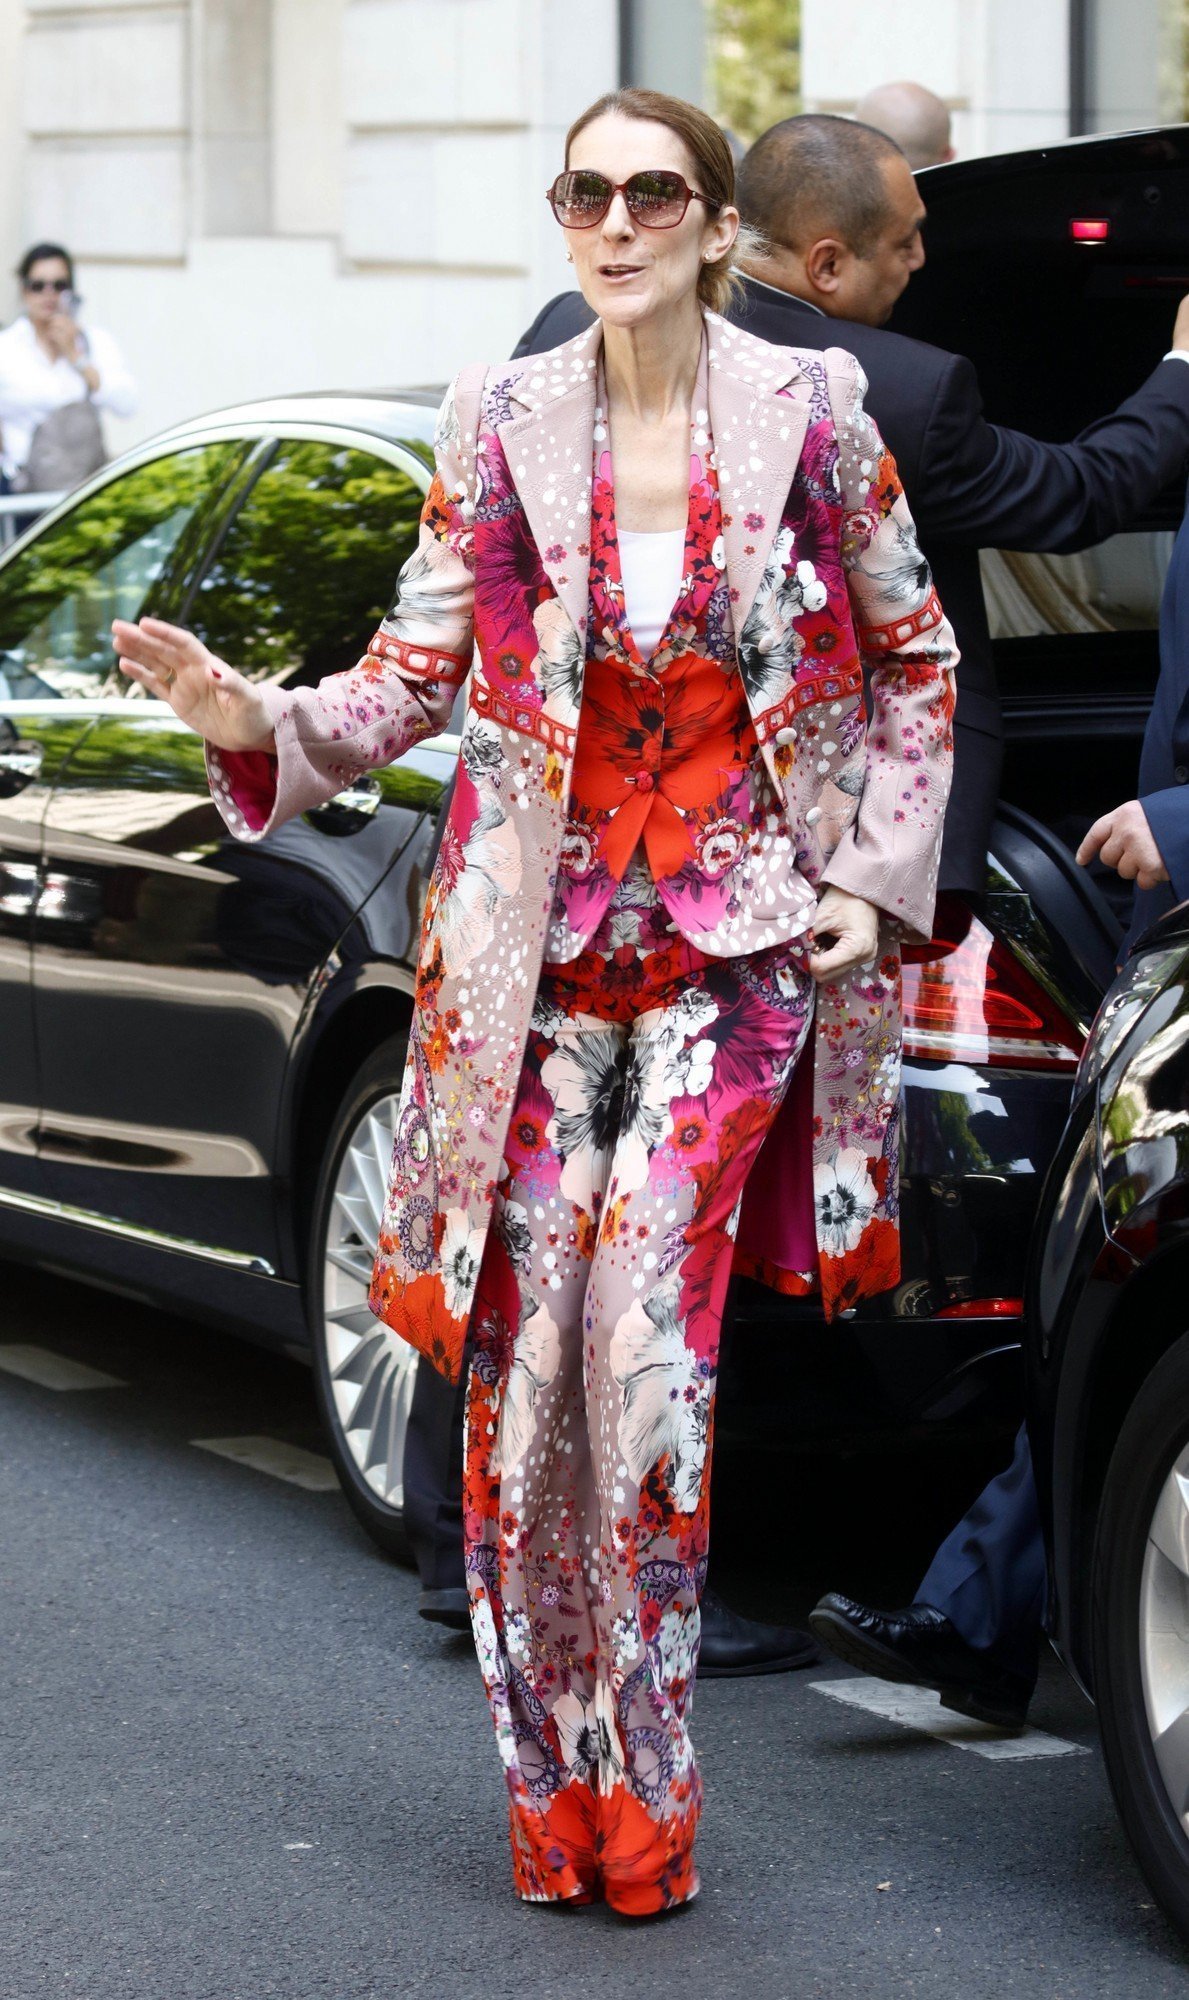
[758,435]
[548,450]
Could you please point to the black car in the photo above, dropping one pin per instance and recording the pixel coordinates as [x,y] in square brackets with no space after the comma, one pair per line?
[1109,1396]
[1057,272]
[200,1042]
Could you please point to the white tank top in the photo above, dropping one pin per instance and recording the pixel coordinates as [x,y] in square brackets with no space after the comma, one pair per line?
[651,565]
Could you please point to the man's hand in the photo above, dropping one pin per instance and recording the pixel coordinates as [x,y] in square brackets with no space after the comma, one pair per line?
[854,927]
[1123,839]
[1180,332]
[208,696]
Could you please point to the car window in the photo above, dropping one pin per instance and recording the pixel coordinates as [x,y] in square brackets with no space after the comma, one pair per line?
[307,569]
[1115,587]
[100,561]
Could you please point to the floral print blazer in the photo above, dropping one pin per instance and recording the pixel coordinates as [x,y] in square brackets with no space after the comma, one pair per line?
[667,754]
[503,566]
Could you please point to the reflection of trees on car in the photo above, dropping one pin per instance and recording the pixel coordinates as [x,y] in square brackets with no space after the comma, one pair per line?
[136,756]
[58,598]
[308,567]
[139,786]
[152,753]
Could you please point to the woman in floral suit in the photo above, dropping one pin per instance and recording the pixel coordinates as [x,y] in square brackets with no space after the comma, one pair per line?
[679,860]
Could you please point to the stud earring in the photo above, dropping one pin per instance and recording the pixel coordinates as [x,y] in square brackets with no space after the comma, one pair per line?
[569,256]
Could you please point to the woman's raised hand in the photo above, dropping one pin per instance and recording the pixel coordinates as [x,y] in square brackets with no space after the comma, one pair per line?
[208,696]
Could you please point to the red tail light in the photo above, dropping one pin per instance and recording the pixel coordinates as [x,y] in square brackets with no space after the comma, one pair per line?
[967,998]
[983,1309]
[1088,229]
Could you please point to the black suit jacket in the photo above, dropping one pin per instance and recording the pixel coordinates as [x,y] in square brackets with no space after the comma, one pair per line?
[1164,765]
[971,485]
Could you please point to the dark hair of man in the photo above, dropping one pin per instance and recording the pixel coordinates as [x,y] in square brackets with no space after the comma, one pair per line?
[40,254]
[814,176]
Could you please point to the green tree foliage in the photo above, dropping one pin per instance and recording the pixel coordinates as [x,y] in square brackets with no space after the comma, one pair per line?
[1175,65]
[152,752]
[755,62]
[99,562]
[300,580]
[309,566]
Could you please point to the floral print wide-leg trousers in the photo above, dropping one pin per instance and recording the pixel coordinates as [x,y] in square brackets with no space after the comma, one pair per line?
[651,1078]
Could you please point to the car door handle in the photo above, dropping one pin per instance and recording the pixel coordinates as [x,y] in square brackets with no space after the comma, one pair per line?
[20,763]
[349,811]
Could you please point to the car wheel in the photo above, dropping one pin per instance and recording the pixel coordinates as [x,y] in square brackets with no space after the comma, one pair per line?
[363,1372]
[1140,1629]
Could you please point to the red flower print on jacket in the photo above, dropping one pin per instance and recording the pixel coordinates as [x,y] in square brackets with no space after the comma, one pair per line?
[509,584]
[667,754]
[657,753]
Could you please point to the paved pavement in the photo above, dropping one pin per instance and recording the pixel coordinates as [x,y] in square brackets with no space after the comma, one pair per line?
[234,1764]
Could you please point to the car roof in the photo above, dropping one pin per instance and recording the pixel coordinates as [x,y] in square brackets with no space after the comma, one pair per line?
[397,415]
[1150,146]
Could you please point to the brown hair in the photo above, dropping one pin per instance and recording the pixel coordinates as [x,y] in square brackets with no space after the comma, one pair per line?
[714,171]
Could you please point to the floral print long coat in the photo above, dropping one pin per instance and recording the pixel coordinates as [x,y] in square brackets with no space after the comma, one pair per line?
[824,578]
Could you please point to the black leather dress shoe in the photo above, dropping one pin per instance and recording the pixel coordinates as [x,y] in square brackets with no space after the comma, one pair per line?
[918,1647]
[733,1645]
[446,1607]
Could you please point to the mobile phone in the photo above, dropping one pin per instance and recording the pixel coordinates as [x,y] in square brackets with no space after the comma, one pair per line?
[69,303]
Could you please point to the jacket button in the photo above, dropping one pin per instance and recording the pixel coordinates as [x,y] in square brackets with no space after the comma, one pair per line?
[1181,774]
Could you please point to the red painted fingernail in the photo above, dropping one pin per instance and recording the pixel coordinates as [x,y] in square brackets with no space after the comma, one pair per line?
[215,674]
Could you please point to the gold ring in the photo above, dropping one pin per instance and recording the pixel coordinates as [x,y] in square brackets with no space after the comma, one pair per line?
[169,678]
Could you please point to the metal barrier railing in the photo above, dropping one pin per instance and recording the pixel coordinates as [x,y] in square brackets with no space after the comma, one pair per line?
[17,510]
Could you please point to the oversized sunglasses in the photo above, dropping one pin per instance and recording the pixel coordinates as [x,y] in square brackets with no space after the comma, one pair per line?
[47,284]
[655,198]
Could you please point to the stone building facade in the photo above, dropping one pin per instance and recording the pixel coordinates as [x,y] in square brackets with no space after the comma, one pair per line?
[277,194]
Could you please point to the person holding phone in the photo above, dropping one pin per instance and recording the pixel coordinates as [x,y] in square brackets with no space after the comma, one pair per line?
[49,363]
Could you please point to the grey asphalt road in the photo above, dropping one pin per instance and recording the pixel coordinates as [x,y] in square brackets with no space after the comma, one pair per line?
[237,1765]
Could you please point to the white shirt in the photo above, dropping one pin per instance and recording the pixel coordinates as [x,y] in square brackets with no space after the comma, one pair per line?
[650,564]
[31,385]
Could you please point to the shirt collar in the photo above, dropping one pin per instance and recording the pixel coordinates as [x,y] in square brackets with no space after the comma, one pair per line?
[779,292]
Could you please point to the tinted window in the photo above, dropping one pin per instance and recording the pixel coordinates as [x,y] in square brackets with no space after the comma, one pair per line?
[99,562]
[307,569]
[1113,588]
[1004,274]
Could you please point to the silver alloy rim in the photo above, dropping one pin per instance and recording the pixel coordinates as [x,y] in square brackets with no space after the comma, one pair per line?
[1164,1635]
[371,1370]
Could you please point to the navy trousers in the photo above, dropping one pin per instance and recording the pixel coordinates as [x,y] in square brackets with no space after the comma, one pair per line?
[988,1576]
[433,1479]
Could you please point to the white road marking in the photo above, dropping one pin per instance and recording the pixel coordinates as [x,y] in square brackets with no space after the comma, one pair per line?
[920,1708]
[282,1461]
[52,1371]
